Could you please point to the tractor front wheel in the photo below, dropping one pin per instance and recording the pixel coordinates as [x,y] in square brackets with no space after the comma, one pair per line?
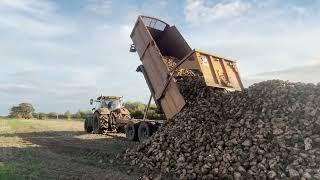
[96,127]
[87,125]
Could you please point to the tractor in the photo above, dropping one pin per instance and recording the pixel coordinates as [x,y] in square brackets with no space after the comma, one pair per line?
[105,112]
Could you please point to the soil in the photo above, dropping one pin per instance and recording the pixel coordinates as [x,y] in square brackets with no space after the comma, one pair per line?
[64,151]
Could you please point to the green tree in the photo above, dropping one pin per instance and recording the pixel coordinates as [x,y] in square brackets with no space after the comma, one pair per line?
[153,113]
[43,115]
[15,112]
[68,114]
[85,114]
[134,106]
[78,115]
[137,109]
[52,115]
[35,115]
[23,110]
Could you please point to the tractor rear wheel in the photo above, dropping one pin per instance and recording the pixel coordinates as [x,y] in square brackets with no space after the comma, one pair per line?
[100,122]
[131,131]
[144,131]
[112,123]
[104,121]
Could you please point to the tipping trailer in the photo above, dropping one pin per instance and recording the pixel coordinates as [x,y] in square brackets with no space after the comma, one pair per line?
[154,39]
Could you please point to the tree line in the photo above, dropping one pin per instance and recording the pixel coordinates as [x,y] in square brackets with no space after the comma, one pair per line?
[27,111]
[137,109]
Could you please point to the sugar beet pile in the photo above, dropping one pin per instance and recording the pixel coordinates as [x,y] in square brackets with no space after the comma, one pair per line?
[269,131]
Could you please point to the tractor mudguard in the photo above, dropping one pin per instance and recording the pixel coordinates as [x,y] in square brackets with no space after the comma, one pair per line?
[103,111]
[124,111]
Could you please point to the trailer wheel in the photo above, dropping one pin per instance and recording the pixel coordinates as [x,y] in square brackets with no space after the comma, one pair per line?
[144,131]
[131,131]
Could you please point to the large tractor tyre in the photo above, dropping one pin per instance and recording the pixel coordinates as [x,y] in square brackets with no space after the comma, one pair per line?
[144,131]
[104,121]
[131,130]
[112,123]
[96,127]
[87,125]
[100,122]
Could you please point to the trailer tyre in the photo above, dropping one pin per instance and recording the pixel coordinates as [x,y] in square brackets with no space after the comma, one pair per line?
[144,131]
[131,131]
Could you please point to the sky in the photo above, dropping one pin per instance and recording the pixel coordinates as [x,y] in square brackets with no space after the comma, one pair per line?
[57,54]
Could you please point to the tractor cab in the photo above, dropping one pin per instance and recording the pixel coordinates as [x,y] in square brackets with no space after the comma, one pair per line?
[110,102]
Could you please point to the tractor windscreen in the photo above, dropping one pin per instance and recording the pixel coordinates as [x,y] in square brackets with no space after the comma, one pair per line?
[113,104]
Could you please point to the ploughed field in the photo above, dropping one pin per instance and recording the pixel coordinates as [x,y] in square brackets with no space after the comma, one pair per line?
[60,149]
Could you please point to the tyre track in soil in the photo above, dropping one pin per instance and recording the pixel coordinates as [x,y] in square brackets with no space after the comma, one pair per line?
[76,155]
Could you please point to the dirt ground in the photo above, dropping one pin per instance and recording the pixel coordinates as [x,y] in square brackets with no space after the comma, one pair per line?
[60,149]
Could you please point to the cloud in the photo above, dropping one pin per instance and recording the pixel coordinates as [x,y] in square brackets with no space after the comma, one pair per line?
[298,10]
[307,74]
[32,26]
[33,18]
[57,56]
[99,7]
[18,89]
[268,36]
[198,11]
[56,72]
[43,8]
